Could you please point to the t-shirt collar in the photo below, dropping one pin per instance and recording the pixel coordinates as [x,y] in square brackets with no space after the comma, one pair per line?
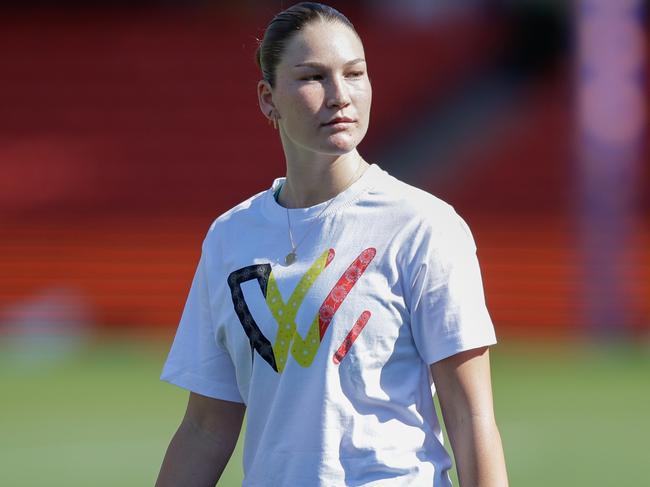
[274,211]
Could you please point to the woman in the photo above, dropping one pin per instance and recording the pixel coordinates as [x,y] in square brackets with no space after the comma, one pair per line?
[325,305]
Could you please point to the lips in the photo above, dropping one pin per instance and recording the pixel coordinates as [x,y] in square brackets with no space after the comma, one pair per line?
[339,120]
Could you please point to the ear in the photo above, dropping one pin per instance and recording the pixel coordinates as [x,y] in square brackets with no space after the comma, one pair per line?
[265,97]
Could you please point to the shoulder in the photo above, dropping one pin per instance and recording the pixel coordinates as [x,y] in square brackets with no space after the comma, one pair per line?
[234,219]
[427,228]
[419,211]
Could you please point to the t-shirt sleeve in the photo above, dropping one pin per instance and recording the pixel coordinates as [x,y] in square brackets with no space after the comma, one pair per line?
[446,299]
[197,361]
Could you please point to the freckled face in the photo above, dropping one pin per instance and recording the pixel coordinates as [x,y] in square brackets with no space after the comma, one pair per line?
[323,76]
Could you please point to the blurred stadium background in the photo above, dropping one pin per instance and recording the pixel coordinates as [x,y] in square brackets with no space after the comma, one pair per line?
[126,128]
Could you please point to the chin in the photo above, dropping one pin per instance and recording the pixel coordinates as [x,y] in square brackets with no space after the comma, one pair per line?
[340,145]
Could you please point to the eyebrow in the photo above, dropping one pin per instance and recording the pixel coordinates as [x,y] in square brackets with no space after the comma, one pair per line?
[319,65]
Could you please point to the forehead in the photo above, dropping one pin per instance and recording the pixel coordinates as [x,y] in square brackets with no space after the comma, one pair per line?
[324,42]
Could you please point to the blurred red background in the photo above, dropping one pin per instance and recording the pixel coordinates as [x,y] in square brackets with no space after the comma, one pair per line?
[125,132]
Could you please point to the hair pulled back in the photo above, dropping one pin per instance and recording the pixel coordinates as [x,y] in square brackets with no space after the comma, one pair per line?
[284,25]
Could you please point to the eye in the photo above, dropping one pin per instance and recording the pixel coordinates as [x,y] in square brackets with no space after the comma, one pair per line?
[356,74]
[312,77]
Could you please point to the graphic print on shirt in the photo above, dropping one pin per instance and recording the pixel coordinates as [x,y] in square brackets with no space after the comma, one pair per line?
[287,338]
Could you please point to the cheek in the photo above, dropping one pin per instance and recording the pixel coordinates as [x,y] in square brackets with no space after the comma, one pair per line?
[369,94]
[309,98]
[364,100]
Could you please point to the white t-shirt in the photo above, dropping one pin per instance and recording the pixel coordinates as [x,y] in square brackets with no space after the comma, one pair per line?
[331,354]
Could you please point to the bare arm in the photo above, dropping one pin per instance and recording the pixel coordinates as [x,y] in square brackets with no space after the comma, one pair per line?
[465,392]
[203,443]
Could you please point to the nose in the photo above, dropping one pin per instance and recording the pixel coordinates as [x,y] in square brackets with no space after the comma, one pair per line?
[338,95]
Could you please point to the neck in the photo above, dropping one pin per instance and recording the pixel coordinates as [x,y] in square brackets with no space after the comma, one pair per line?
[310,182]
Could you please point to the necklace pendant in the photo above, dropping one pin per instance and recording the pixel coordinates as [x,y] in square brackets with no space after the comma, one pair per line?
[290,258]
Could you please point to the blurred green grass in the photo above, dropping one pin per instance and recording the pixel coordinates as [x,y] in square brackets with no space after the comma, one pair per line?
[569,415]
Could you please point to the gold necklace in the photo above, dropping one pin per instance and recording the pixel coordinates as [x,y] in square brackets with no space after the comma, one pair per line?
[292,256]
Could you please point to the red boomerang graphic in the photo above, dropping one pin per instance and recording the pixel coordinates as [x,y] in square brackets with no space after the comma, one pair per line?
[338,294]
